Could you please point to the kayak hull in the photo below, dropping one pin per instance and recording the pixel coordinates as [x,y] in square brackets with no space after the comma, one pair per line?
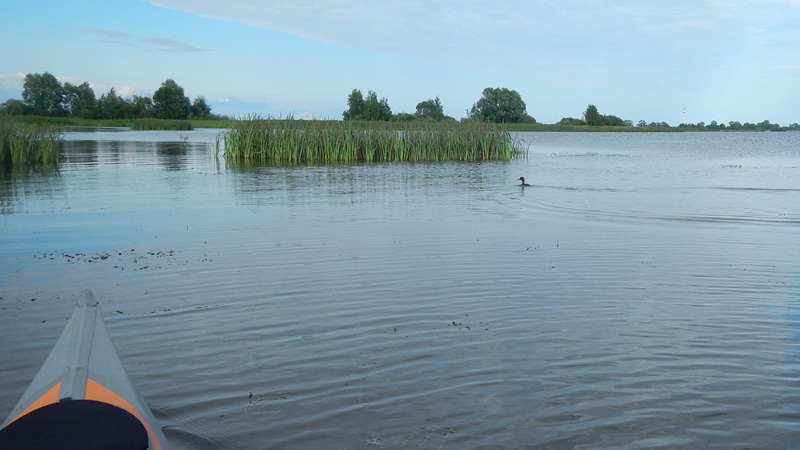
[85,366]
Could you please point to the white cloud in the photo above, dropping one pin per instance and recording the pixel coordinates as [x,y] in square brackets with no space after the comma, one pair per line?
[101,88]
[12,81]
[133,40]
[616,51]
[558,41]
[125,91]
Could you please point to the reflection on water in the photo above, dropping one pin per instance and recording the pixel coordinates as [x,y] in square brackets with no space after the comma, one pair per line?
[167,155]
[418,183]
[19,188]
[643,293]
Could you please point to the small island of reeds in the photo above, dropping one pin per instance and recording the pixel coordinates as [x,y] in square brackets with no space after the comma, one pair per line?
[289,141]
[24,144]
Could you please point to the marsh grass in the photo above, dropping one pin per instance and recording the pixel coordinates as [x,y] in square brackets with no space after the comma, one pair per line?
[275,141]
[161,124]
[28,144]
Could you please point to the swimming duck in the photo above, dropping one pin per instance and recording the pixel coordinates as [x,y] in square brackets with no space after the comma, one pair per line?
[522,179]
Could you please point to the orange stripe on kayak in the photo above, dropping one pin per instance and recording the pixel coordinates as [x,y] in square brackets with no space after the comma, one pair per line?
[51,396]
[96,391]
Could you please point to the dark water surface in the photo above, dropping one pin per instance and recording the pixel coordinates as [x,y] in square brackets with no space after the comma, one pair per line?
[643,293]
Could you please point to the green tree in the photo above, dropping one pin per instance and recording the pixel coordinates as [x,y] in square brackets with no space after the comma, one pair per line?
[200,109]
[12,107]
[355,106]
[499,105]
[591,116]
[169,101]
[571,121]
[767,126]
[370,108]
[43,95]
[375,109]
[430,109]
[111,106]
[613,121]
[140,107]
[80,100]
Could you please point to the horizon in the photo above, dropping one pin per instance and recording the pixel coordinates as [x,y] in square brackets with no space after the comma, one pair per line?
[721,62]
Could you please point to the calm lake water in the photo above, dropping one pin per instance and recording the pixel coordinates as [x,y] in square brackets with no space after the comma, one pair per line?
[643,293]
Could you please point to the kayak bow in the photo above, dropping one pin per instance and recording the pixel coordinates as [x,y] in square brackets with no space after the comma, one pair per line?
[82,396]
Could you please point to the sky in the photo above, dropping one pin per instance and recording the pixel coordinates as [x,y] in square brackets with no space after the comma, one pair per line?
[639,60]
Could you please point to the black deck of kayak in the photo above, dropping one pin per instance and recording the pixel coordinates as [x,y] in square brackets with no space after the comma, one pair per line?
[82,397]
[75,424]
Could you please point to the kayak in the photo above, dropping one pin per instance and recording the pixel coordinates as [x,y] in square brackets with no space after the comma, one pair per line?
[82,397]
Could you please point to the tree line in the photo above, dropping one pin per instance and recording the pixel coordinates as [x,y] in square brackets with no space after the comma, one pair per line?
[735,125]
[502,105]
[497,105]
[592,117]
[44,95]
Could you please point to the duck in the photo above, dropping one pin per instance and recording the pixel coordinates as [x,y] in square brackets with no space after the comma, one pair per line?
[522,179]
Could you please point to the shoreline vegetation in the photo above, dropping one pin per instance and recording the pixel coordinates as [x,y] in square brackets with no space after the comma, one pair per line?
[64,123]
[46,100]
[289,141]
[26,145]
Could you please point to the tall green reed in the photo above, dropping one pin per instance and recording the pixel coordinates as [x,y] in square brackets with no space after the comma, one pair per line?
[28,144]
[289,141]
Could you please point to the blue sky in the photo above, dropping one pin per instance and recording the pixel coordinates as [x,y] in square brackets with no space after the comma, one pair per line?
[639,60]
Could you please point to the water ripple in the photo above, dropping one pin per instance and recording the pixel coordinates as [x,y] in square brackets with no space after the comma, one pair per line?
[643,294]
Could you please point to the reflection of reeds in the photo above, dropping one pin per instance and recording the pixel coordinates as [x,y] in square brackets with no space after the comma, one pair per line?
[161,124]
[22,144]
[257,140]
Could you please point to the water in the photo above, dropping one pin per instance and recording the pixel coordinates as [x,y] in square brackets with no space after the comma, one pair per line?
[643,293]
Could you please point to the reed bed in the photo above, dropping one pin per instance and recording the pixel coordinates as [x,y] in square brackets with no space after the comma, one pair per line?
[28,144]
[161,124]
[275,141]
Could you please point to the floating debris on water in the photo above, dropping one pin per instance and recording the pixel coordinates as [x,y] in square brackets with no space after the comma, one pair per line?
[119,258]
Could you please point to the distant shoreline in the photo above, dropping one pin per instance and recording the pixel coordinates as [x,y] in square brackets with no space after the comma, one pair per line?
[517,127]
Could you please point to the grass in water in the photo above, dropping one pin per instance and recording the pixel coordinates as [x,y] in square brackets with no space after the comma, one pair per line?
[28,144]
[289,141]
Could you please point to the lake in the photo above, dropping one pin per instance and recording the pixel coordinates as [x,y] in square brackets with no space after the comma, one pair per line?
[644,292]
